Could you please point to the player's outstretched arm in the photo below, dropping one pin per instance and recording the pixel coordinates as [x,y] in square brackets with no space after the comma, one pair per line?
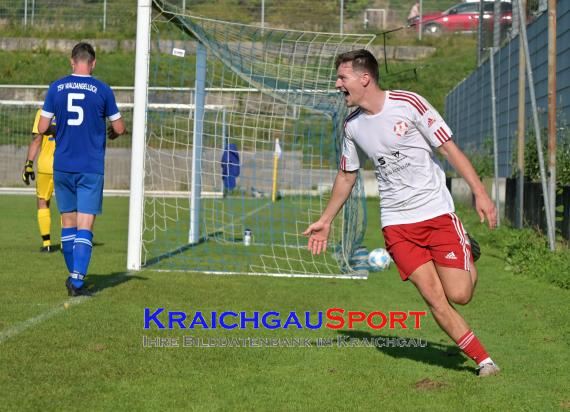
[318,232]
[483,203]
[116,129]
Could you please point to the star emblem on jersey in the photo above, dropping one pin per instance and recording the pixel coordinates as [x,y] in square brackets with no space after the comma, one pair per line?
[430,121]
[401,128]
[451,256]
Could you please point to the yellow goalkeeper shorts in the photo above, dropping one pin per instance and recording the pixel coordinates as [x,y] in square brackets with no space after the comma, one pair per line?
[44,186]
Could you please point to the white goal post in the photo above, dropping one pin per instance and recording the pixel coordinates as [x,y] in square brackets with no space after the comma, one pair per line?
[144,10]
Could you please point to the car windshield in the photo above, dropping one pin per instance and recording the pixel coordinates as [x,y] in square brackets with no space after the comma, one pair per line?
[488,7]
[463,8]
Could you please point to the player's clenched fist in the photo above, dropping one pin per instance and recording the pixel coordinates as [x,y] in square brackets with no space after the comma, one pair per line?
[28,172]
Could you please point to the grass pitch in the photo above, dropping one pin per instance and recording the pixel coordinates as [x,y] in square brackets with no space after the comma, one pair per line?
[277,242]
[91,357]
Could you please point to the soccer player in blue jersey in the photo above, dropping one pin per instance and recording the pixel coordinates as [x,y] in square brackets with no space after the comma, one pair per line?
[81,104]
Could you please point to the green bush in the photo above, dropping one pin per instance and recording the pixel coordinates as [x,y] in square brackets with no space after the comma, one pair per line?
[531,165]
[563,159]
[482,158]
[527,253]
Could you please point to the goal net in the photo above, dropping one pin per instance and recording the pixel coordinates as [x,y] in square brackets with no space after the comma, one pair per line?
[245,159]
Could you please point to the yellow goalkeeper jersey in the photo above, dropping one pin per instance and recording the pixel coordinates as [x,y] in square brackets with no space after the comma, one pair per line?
[45,159]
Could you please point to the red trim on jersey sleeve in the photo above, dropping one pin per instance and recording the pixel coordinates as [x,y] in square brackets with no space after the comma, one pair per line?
[442,135]
[351,116]
[409,98]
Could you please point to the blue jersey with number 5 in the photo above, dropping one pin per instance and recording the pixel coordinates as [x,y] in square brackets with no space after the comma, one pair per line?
[81,104]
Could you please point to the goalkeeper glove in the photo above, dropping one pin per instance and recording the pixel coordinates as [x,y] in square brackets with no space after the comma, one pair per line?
[475,248]
[28,172]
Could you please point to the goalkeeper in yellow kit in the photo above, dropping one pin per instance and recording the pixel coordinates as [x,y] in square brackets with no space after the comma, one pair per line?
[45,145]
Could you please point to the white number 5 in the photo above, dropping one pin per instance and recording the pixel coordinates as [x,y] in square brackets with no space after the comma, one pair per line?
[75,109]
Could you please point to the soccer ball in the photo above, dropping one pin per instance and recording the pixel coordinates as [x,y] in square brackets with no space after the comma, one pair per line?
[359,259]
[379,259]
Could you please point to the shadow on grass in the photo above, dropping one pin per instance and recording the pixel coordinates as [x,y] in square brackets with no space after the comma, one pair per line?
[181,249]
[97,283]
[52,249]
[446,356]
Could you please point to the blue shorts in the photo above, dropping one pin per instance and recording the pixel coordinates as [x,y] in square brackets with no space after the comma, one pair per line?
[79,192]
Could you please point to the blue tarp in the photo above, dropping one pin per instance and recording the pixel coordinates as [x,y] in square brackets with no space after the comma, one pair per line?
[230,166]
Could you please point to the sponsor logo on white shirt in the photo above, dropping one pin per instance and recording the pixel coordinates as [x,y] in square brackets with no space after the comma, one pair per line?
[401,128]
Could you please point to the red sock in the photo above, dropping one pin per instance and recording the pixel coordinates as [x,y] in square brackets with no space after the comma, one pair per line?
[471,346]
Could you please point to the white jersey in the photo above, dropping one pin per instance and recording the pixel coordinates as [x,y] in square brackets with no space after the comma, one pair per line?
[400,140]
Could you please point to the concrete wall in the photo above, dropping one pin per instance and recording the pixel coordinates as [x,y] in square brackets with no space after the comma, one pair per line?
[165,46]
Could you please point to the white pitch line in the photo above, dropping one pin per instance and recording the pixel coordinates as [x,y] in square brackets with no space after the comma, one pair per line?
[275,275]
[22,326]
[28,323]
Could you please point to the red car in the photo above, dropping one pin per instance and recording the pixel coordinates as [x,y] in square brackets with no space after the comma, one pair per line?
[463,17]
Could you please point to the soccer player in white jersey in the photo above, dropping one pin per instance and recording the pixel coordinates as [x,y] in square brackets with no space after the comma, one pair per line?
[81,104]
[399,132]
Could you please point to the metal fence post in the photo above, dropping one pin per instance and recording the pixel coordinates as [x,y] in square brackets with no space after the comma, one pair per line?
[104,15]
[495,137]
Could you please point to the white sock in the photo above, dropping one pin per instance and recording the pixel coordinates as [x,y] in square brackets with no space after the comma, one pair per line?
[486,360]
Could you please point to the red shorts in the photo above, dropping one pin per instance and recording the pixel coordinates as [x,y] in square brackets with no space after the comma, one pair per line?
[441,239]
